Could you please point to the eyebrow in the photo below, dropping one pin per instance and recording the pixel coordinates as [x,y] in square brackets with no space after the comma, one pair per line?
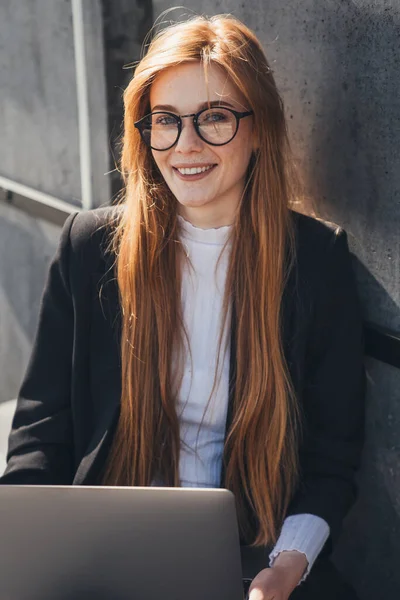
[173,109]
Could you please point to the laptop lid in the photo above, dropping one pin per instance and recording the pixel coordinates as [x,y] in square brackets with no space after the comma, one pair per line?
[119,543]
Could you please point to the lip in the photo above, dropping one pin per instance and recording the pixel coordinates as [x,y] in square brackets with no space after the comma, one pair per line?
[195,176]
[192,165]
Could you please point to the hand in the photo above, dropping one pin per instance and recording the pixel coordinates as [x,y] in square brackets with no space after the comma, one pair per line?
[279,581]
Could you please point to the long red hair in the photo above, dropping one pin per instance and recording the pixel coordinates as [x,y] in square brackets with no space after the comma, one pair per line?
[261,450]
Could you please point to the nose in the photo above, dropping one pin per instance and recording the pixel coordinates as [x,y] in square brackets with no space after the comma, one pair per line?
[188,141]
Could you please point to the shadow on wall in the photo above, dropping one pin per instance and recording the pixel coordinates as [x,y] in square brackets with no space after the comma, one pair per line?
[369,546]
[356,147]
[125,25]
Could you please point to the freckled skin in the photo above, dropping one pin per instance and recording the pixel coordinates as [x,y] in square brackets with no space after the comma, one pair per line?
[212,200]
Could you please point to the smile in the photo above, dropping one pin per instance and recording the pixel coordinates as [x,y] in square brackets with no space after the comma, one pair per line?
[193,170]
[193,173]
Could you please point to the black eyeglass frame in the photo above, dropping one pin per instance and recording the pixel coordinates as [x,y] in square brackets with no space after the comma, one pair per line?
[195,116]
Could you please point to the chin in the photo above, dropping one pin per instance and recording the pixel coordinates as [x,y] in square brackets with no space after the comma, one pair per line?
[190,203]
[194,205]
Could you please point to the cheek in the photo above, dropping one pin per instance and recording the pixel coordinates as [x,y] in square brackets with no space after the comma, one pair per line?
[238,159]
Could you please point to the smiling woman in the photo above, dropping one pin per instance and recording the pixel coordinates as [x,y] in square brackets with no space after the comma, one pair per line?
[211,197]
[202,333]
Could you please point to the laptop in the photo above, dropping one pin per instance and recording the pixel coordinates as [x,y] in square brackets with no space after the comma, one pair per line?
[118,543]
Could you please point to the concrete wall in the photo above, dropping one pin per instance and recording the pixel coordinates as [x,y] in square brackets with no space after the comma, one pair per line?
[39,116]
[26,246]
[38,98]
[337,67]
[39,121]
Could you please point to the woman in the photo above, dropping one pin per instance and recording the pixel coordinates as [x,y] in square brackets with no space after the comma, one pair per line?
[202,333]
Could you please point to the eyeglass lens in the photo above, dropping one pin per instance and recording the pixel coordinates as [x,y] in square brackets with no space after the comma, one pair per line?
[217,126]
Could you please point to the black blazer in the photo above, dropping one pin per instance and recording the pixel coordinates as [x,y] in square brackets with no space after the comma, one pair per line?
[68,404]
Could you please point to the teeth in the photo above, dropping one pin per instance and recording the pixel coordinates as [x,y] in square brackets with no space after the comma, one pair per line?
[194,170]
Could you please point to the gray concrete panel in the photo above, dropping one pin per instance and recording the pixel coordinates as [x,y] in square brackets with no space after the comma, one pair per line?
[26,247]
[39,116]
[38,104]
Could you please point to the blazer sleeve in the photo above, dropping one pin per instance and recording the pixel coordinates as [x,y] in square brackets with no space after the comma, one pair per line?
[40,445]
[333,394]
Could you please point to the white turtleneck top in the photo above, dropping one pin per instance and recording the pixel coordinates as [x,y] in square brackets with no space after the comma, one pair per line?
[202,447]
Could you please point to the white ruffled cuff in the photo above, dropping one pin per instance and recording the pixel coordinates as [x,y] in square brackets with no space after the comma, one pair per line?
[304,533]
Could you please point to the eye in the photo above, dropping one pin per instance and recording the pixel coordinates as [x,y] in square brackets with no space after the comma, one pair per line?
[164,120]
[214,117]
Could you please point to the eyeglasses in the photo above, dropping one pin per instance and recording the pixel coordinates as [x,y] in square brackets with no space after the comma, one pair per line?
[215,126]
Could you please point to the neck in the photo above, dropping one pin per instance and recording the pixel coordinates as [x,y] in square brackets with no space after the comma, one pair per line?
[200,223]
[206,219]
[214,214]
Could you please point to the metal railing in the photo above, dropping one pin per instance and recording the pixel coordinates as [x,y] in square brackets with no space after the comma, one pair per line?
[34,203]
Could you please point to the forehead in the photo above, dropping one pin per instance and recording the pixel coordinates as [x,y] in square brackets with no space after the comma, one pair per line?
[185,87]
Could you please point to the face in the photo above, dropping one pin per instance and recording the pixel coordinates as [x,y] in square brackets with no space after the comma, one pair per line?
[209,199]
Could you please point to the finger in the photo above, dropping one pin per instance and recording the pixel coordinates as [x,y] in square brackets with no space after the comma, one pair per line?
[258,594]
